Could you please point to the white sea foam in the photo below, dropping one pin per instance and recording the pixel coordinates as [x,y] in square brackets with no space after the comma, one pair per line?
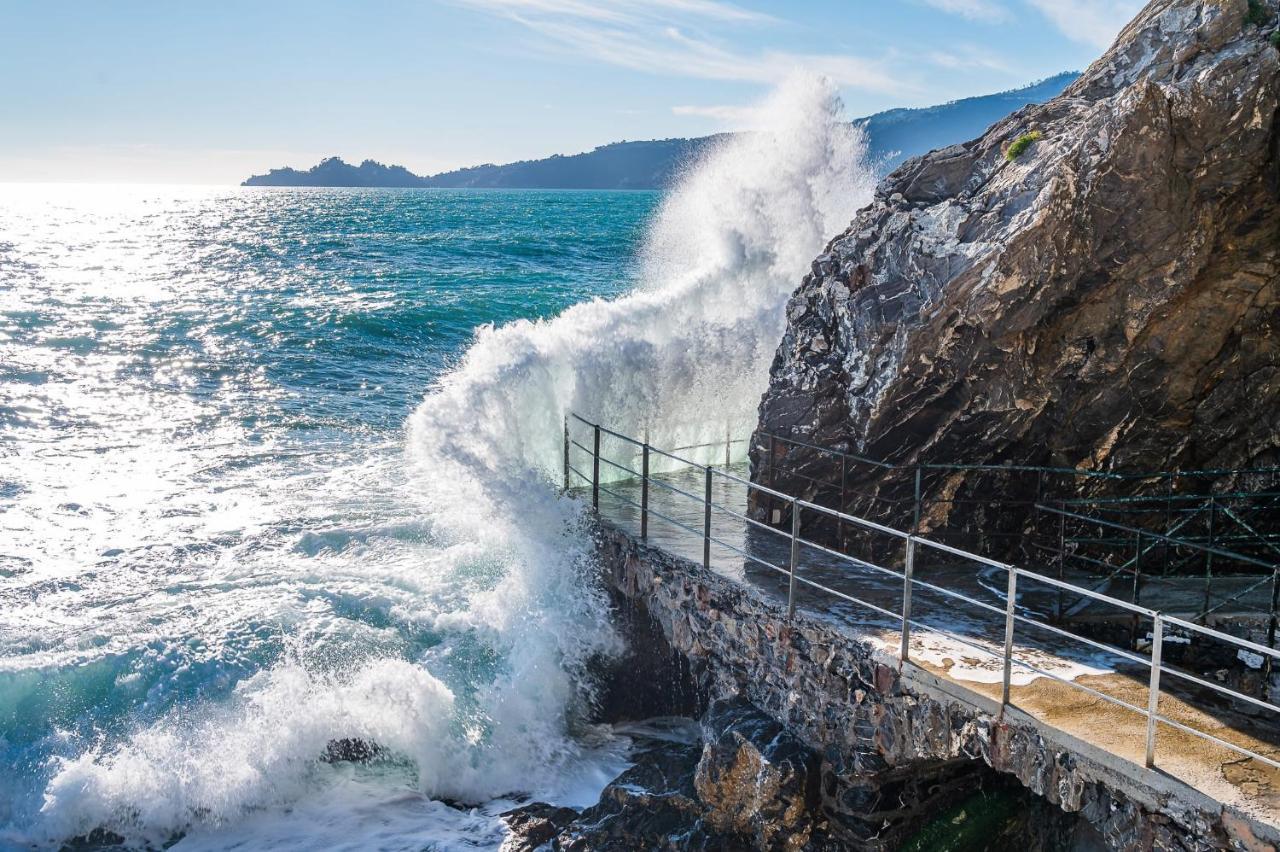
[689,351]
[491,709]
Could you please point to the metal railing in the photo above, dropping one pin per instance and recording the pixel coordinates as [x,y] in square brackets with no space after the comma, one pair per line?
[1184,525]
[913,544]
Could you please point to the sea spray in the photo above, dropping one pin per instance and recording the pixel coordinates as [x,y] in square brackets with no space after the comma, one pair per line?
[492,703]
[727,247]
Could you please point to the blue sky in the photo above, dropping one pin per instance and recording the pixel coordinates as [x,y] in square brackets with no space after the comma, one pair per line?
[208,92]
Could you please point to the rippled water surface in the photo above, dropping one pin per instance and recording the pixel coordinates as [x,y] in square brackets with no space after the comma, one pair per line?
[277,471]
[203,482]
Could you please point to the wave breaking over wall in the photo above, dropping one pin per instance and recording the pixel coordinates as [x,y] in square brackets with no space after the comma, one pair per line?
[492,707]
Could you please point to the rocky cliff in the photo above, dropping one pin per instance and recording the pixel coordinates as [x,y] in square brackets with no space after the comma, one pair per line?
[1092,283]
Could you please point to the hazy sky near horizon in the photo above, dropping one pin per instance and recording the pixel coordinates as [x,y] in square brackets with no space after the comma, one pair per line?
[158,91]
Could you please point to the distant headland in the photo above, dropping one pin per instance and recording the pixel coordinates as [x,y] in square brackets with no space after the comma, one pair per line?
[892,136]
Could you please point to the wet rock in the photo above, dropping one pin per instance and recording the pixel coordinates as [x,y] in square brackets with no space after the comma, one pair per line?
[534,825]
[94,841]
[650,678]
[1108,299]
[351,750]
[653,805]
[756,779]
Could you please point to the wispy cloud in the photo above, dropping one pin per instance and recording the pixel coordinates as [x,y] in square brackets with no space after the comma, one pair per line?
[670,37]
[1095,22]
[735,117]
[968,57]
[626,10]
[974,10]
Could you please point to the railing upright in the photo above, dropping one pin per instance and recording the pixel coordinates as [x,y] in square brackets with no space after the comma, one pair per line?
[844,499]
[644,490]
[1208,559]
[1062,561]
[566,452]
[595,471]
[908,569]
[1137,566]
[1153,690]
[1008,635]
[1137,575]
[706,523]
[1271,631]
[795,558]
[770,467]
[915,521]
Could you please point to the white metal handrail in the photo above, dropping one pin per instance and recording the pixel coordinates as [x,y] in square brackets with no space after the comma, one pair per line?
[912,541]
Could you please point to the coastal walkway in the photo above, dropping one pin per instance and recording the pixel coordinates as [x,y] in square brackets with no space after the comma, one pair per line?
[980,624]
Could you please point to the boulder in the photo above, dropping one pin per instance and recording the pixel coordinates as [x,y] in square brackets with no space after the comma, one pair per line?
[756,779]
[653,805]
[534,825]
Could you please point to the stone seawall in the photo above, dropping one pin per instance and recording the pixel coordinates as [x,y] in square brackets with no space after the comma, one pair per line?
[894,742]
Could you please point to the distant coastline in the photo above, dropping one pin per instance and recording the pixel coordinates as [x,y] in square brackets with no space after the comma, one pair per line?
[892,136]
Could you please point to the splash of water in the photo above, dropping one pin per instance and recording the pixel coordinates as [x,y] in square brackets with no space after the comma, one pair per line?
[727,247]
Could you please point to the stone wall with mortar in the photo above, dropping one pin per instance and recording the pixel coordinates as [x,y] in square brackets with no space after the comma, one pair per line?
[883,731]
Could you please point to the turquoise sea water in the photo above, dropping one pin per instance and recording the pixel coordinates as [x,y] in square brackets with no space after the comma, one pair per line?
[203,397]
[277,468]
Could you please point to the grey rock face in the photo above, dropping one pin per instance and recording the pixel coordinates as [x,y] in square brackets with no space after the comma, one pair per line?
[1108,298]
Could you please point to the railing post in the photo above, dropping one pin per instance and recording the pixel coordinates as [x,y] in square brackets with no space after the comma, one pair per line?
[771,459]
[595,471]
[1208,556]
[908,568]
[706,524]
[795,558]
[915,521]
[844,475]
[1137,564]
[566,452]
[770,501]
[1275,601]
[1062,554]
[1008,635]
[1153,691]
[1037,521]
[728,443]
[1271,631]
[644,491]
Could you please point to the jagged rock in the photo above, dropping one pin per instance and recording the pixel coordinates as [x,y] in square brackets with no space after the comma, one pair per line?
[756,779]
[1108,298]
[653,805]
[748,784]
[533,825]
[351,750]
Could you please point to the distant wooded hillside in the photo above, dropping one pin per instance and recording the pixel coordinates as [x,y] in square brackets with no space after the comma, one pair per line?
[892,136]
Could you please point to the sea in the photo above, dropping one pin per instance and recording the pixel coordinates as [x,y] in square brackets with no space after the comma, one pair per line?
[280,468]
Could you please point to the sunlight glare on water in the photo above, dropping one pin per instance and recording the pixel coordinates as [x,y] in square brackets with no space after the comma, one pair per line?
[277,471]
[203,501]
